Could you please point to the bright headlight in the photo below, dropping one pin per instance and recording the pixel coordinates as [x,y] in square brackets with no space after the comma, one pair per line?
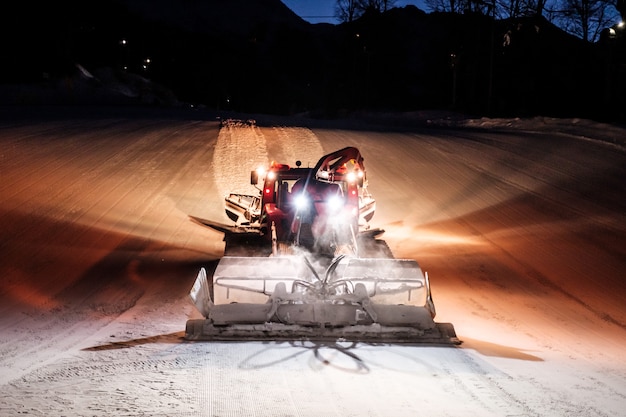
[301,201]
[335,203]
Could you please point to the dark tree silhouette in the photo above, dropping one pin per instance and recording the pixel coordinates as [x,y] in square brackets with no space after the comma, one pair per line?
[349,10]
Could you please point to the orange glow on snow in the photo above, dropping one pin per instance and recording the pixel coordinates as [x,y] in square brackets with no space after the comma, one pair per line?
[31,296]
[429,237]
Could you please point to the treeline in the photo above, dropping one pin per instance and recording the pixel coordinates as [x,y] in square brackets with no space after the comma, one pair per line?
[585,19]
[259,57]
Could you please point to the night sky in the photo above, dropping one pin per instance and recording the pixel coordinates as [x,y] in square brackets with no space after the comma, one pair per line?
[320,11]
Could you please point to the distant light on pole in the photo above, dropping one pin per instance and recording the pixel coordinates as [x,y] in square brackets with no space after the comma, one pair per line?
[454,61]
[124,51]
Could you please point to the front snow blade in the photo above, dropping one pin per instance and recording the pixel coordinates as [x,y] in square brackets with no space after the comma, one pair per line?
[200,293]
[225,228]
[443,334]
[292,298]
[252,280]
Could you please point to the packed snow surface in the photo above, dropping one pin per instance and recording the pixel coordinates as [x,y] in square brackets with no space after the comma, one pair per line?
[521,225]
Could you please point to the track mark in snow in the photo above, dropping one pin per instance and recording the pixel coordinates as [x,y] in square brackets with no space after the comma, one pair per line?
[240,148]
[148,378]
[299,144]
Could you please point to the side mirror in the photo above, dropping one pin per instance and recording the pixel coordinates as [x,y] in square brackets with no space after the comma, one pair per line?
[283,195]
[254,177]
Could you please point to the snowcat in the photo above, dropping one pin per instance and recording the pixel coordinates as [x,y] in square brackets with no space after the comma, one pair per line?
[317,208]
[302,263]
